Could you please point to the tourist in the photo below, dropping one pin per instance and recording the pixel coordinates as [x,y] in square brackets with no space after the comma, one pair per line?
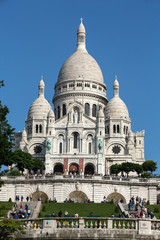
[26,207]
[76,215]
[21,198]
[91,214]
[27,198]
[66,213]
[31,197]
[29,213]
[60,214]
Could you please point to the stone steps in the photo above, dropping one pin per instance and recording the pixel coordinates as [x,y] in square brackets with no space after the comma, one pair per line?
[31,206]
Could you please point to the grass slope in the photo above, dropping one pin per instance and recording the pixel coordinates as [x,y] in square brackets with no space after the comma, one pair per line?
[5,207]
[153,208]
[83,209]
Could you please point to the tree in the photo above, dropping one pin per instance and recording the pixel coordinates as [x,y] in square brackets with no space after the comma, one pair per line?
[8,227]
[115,169]
[127,167]
[149,166]
[138,168]
[6,134]
[22,160]
[38,164]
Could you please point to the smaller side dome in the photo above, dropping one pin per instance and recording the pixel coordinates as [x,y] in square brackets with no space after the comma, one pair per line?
[24,134]
[51,114]
[40,107]
[100,113]
[116,108]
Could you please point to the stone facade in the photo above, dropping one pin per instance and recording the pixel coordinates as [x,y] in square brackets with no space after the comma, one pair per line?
[78,189]
[85,134]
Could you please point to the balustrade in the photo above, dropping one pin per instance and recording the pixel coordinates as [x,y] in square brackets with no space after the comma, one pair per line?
[124,224]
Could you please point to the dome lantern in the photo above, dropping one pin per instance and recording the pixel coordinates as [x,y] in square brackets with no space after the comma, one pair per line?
[81,36]
[116,87]
[41,88]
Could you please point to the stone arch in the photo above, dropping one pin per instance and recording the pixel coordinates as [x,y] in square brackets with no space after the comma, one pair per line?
[116,197]
[89,169]
[39,195]
[75,105]
[78,196]
[74,168]
[58,168]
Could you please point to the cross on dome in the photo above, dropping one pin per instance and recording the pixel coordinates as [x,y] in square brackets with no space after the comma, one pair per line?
[81,20]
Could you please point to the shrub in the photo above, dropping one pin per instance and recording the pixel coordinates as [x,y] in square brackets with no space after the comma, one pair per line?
[148,203]
[14,173]
[10,200]
[116,210]
[46,201]
[44,209]
[156,210]
[40,215]
[112,201]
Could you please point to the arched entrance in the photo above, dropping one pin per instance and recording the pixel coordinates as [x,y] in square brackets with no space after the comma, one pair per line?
[78,196]
[38,195]
[89,169]
[58,168]
[116,197]
[74,168]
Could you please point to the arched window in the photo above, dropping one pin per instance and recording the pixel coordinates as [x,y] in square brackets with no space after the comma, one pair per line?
[40,128]
[64,109]
[55,112]
[75,145]
[59,112]
[36,128]
[107,130]
[30,129]
[60,147]
[117,128]
[94,110]
[90,148]
[87,108]
[114,128]
[124,129]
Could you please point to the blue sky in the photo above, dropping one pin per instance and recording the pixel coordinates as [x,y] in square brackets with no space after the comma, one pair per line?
[37,36]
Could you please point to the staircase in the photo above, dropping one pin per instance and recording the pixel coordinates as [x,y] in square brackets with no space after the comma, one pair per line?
[31,205]
[132,212]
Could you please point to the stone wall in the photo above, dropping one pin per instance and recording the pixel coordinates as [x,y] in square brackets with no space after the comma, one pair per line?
[95,188]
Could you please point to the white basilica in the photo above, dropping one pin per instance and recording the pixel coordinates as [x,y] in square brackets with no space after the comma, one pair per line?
[85,133]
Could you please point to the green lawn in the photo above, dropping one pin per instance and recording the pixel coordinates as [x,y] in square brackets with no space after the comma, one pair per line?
[5,207]
[154,207]
[83,209]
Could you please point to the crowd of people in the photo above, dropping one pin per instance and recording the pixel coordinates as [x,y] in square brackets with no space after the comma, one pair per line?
[138,208]
[21,213]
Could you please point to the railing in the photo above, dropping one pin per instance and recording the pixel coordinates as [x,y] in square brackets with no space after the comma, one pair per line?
[140,226]
[89,177]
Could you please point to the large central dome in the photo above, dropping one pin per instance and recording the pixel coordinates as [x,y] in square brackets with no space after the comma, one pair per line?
[80,76]
[81,64]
